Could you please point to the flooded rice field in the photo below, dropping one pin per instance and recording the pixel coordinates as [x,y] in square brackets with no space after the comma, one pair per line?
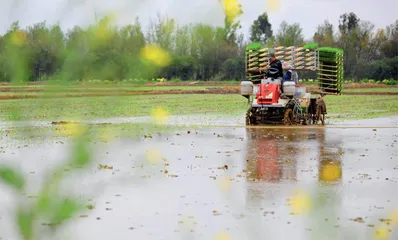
[226,182]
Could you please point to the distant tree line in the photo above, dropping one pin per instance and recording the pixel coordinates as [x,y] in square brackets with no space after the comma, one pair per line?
[196,51]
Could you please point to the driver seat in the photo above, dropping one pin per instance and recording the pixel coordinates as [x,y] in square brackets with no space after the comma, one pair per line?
[272,74]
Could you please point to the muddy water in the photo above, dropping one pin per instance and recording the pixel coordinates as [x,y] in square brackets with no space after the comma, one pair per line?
[235,181]
[210,119]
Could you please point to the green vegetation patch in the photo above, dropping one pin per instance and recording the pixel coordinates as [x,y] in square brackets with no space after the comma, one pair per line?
[311,46]
[372,90]
[69,109]
[120,106]
[330,50]
[352,107]
[254,46]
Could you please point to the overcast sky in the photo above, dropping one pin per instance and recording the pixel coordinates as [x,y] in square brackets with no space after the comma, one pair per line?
[309,13]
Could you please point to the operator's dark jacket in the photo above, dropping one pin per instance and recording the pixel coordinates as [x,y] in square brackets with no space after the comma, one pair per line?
[278,65]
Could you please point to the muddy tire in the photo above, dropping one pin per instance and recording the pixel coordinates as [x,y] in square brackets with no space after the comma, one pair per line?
[320,112]
[322,118]
[288,117]
[313,118]
[306,120]
[249,117]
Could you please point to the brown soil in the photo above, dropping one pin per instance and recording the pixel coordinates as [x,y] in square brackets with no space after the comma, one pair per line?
[223,90]
[63,123]
[370,93]
[170,84]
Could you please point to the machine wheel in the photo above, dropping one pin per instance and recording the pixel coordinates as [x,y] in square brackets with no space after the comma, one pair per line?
[249,117]
[306,120]
[321,117]
[320,112]
[313,119]
[288,117]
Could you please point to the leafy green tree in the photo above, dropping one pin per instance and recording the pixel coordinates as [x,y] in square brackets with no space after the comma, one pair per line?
[163,33]
[261,29]
[197,51]
[375,44]
[290,35]
[389,47]
[232,10]
[349,40]
[325,35]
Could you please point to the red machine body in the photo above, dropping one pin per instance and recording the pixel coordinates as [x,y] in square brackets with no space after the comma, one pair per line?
[268,168]
[267,93]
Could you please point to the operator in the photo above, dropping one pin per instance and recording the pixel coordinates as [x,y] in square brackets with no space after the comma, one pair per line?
[291,75]
[276,64]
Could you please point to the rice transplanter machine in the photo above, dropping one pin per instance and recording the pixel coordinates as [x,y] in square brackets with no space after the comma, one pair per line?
[278,101]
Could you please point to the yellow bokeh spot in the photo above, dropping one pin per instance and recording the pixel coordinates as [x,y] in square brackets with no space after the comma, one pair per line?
[300,203]
[330,172]
[188,223]
[103,31]
[160,115]
[232,9]
[225,183]
[223,236]
[153,156]
[155,55]
[18,38]
[394,217]
[70,129]
[381,233]
[273,5]
[108,135]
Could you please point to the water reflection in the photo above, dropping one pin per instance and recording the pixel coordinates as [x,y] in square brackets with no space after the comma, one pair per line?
[272,154]
[280,160]
[330,154]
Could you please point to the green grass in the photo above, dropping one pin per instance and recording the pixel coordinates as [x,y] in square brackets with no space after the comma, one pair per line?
[348,107]
[362,107]
[390,89]
[130,106]
[102,89]
[115,83]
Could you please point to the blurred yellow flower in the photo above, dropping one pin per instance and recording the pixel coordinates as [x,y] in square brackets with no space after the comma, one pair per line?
[155,55]
[188,223]
[103,31]
[330,172]
[300,203]
[381,233]
[273,5]
[70,129]
[223,236]
[107,135]
[160,115]
[18,38]
[225,183]
[394,217]
[232,9]
[153,156]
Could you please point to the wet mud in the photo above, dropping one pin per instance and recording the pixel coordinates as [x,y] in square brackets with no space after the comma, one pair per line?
[232,182]
[15,93]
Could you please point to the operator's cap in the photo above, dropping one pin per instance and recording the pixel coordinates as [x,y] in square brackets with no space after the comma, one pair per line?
[271,55]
